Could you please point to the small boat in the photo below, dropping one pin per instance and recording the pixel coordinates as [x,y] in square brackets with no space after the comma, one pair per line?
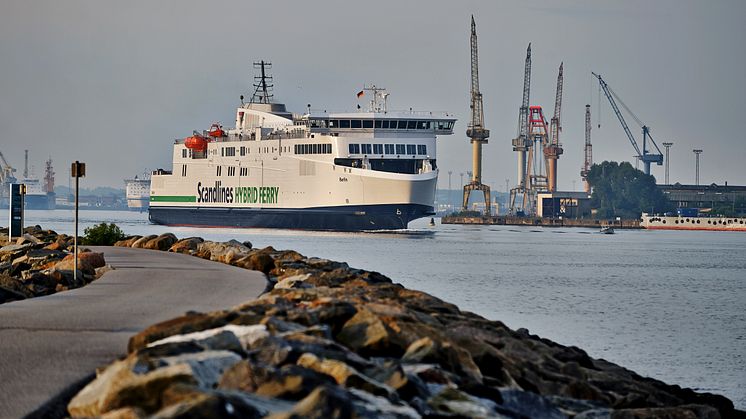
[607,230]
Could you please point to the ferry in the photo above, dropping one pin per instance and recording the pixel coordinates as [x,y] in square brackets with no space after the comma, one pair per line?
[692,222]
[371,169]
[138,192]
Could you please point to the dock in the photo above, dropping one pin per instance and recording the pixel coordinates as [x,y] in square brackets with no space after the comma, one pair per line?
[543,222]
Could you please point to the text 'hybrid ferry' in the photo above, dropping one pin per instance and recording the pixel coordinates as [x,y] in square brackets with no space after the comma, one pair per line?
[367,170]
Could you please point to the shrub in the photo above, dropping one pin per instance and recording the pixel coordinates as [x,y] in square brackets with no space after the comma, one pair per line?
[103,235]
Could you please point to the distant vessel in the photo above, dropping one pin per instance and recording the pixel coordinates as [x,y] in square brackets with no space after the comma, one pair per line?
[372,169]
[692,221]
[138,193]
[36,197]
[607,230]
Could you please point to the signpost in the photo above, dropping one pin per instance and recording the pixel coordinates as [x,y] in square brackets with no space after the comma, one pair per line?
[77,171]
[17,191]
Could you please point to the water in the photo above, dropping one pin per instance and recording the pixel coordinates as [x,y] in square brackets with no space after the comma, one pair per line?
[666,304]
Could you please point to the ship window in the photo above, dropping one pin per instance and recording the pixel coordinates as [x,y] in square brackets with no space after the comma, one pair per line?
[366,149]
[328,148]
[411,149]
[389,148]
[411,124]
[356,123]
[423,125]
[222,152]
[367,123]
[377,123]
[183,169]
[243,151]
[385,124]
[354,148]
[184,153]
[315,149]
[344,123]
[378,148]
[400,149]
[421,149]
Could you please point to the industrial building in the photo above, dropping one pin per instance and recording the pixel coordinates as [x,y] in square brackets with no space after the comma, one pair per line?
[704,196]
[563,204]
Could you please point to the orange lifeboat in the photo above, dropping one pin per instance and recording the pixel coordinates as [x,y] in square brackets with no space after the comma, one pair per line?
[196,143]
[216,131]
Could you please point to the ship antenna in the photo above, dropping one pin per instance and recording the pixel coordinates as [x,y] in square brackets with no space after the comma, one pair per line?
[262,84]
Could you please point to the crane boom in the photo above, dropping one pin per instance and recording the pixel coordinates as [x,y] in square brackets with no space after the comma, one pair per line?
[556,123]
[523,113]
[643,154]
[476,127]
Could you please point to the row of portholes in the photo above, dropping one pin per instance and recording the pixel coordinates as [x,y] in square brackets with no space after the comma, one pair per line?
[692,221]
[708,221]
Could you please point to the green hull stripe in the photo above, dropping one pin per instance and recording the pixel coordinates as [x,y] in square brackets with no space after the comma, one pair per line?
[173,198]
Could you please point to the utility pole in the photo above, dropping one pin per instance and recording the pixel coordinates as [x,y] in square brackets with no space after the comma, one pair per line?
[668,147]
[77,170]
[697,152]
[588,151]
[450,200]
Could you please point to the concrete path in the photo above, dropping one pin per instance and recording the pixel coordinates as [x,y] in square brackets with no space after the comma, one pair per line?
[50,342]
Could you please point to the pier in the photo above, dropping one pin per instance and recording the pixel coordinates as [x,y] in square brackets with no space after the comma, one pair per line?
[539,221]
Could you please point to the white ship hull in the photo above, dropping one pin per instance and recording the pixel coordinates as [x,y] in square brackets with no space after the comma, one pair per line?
[655,222]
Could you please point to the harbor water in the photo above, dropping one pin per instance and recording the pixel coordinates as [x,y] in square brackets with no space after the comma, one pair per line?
[666,304]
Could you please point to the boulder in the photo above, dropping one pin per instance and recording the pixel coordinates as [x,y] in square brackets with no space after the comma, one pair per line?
[324,402]
[128,383]
[213,405]
[186,246]
[128,241]
[162,242]
[142,241]
[256,261]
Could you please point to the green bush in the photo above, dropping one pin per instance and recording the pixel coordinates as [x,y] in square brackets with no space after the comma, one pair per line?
[103,235]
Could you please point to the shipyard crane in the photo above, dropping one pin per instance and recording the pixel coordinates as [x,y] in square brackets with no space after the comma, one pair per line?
[475,130]
[646,156]
[6,174]
[553,150]
[588,162]
[521,143]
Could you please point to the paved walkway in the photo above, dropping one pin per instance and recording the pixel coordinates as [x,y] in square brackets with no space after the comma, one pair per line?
[50,342]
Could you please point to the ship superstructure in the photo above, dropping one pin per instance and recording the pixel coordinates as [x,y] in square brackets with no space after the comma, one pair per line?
[138,192]
[366,170]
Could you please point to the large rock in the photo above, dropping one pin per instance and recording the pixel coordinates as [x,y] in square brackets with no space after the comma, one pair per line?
[162,242]
[187,246]
[142,241]
[128,241]
[128,383]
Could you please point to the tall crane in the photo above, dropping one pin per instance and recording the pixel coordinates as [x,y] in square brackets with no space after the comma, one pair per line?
[522,143]
[475,131]
[588,162]
[646,156]
[553,150]
[6,171]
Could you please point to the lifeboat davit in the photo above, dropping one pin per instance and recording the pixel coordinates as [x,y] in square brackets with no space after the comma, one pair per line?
[196,143]
[216,131]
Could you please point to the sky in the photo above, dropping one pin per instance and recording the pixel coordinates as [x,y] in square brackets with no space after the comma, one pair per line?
[112,84]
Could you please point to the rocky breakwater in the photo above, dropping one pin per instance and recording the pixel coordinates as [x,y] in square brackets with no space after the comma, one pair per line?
[41,263]
[330,341]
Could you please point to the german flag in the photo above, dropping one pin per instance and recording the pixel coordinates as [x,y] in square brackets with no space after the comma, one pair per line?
[360,94]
